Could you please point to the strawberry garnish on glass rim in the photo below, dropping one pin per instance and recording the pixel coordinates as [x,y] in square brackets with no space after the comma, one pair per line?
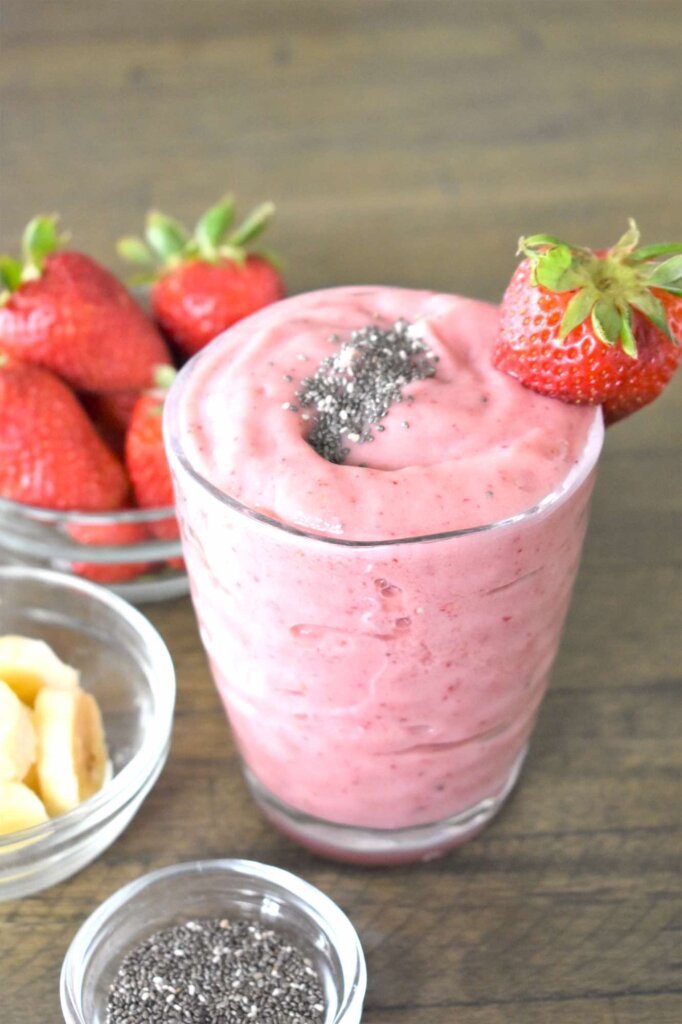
[597,327]
[204,282]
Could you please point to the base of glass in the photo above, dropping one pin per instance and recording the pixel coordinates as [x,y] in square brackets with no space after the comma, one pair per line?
[359,845]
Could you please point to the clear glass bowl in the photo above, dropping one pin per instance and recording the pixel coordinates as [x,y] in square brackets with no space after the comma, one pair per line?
[219,888]
[124,662]
[80,543]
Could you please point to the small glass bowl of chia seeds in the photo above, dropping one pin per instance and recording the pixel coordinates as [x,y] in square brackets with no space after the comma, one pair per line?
[216,942]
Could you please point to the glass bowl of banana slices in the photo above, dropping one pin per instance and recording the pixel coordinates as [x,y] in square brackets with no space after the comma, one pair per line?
[87,691]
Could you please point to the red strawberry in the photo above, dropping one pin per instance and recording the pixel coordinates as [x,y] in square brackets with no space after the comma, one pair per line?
[65,312]
[146,457]
[114,534]
[209,281]
[199,300]
[50,453]
[111,414]
[593,327]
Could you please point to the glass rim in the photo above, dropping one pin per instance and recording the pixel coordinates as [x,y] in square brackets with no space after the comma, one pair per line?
[573,479]
[119,790]
[317,905]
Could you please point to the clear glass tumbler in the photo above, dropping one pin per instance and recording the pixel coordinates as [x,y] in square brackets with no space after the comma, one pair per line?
[381,694]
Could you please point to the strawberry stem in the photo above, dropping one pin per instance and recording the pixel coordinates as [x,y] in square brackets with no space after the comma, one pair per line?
[213,226]
[166,238]
[134,250]
[168,244]
[627,243]
[10,277]
[39,239]
[164,376]
[607,287]
[252,226]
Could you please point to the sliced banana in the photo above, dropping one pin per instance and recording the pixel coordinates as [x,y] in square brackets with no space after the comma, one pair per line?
[19,808]
[31,779]
[28,665]
[17,736]
[72,752]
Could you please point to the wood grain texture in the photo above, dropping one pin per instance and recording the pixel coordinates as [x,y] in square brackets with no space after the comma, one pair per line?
[406,141]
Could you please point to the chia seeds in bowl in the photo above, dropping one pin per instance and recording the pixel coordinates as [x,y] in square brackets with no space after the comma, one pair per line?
[215,942]
[216,971]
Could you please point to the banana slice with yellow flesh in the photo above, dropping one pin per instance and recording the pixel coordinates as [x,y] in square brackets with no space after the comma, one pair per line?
[72,752]
[17,736]
[27,665]
[19,808]
[31,779]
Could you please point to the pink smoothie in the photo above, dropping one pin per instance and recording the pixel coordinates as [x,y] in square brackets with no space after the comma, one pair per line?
[375,672]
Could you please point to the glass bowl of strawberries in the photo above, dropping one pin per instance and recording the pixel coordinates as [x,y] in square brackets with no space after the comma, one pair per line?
[123,550]
[84,485]
[84,367]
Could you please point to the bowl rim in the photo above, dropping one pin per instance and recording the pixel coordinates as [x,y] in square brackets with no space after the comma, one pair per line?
[45,534]
[119,790]
[342,933]
[42,514]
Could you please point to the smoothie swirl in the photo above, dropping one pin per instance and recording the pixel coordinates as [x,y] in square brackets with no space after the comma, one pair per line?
[465,447]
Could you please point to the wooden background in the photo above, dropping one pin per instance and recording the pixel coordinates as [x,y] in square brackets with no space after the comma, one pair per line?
[405,141]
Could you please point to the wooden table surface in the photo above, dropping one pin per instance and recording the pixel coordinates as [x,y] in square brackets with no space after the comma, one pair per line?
[405,141]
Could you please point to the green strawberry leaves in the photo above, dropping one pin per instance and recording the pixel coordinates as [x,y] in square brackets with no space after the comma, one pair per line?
[555,270]
[607,287]
[654,252]
[213,226]
[606,322]
[529,245]
[10,277]
[627,337]
[166,238]
[230,252]
[40,238]
[578,309]
[252,226]
[553,263]
[666,274]
[611,323]
[627,243]
[652,307]
[134,250]
[167,244]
